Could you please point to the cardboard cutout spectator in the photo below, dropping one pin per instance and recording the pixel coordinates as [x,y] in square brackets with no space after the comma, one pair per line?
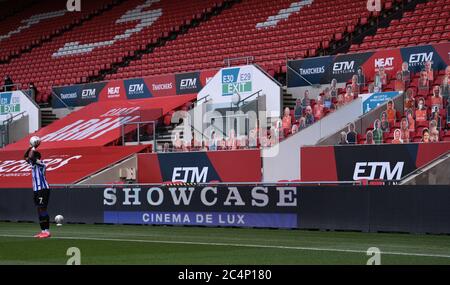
[410,103]
[411,120]
[351,135]
[355,85]
[327,98]
[294,129]
[369,138]
[377,83]
[399,83]
[377,132]
[429,71]
[436,117]
[448,110]
[447,72]
[436,99]
[391,113]
[286,121]
[384,122]
[302,123]
[434,133]
[361,78]
[231,142]
[340,101]
[333,89]
[298,111]
[213,142]
[8,84]
[423,85]
[404,128]
[343,138]
[177,142]
[425,136]
[306,100]
[348,97]
[406,75]
[252,139]
[371,88]
[421,112]
[309,118]
[318,109]
[397,137]
[444,89]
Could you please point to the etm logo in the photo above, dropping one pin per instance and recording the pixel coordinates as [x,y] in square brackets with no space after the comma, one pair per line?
[383,169]
[73,5]
[420,57]
[88,93]
[190,174]
[188,83]
[136,88]
[344,65]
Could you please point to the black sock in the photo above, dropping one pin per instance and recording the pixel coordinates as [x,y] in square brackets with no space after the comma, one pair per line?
[44,219]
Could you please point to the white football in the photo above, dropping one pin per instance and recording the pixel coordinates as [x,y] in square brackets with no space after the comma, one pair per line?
[59,219]
[35,141]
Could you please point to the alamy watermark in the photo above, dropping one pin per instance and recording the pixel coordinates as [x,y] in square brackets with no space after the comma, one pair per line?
[73,5]
[374,5]
[75,256]
[375,256]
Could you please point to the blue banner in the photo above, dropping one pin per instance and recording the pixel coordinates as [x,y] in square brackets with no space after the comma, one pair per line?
[373,100]
[228,219]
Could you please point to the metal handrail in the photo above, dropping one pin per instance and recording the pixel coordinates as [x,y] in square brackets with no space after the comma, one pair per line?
[319,183]
[10,119]
[248,59]
[252,95]
[203,98]
[61,100]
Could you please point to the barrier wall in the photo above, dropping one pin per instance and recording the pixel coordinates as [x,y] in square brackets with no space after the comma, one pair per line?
[243,81]
[200,167]
[414,209]
[321,70]
[16,102]
[351,163]
[129,89]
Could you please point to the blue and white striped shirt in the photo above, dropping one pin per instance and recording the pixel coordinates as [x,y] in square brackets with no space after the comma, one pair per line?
[38,175]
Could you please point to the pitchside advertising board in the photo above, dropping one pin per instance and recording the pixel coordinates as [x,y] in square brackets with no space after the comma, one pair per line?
[416,209]
[366,162]
[321,70]
[129,89]
[241,82]
[200,167]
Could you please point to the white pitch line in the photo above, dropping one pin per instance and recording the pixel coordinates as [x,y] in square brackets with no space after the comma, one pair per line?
[238,245]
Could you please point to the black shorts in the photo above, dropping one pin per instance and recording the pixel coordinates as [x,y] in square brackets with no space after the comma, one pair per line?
[41,198]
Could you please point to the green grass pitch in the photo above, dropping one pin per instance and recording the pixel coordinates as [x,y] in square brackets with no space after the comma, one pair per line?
[125,244]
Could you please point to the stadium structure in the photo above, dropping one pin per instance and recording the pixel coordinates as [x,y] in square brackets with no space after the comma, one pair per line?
[224,119]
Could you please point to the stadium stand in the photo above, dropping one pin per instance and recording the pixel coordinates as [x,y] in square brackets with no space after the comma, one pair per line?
[428,23]
[40,22]
[265,35]
[100,42]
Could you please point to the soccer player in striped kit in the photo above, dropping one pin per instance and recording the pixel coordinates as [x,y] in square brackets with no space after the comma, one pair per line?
[41,188]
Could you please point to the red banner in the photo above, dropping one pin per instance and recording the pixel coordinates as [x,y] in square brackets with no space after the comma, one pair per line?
[64,166]
[100,123]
